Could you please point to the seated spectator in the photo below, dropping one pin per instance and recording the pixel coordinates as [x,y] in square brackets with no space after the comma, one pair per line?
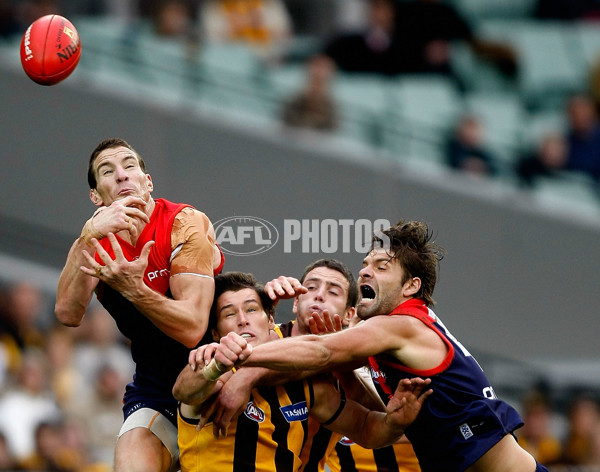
[264,25]
[314,107]
[547,159]
[536,435]
[413,37]
[466,149]
[583,425]
[583,137]
[27,403]
[567,10]
[50,452]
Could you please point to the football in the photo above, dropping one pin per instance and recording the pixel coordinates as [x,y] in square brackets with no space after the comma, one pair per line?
[50,49]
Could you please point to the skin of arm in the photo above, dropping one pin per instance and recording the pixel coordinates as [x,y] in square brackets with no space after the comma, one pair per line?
[184,317]
[368,428]
[403,337]
[76,288]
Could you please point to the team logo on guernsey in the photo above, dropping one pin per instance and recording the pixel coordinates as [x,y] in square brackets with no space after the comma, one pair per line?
[376,374]
[295,412]
[254,413]
[345,441]
[465,431]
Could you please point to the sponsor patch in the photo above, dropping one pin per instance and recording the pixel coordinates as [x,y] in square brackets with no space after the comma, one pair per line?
[465,431]
[295,412]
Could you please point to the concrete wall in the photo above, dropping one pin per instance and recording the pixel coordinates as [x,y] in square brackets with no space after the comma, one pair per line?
[517,281]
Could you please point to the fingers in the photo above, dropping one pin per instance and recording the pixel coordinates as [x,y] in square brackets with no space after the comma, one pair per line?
[284,288]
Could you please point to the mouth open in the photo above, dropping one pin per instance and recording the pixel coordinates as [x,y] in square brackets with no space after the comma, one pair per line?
[367,292]
[246,336]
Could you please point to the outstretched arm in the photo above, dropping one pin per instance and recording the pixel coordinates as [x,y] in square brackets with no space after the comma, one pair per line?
[371,429]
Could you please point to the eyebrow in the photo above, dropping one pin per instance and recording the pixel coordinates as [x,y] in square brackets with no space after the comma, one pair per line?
[126,158]
[327,282]
[245,302]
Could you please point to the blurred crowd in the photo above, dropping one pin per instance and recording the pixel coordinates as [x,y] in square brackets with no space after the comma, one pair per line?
[61,389]
[373,37]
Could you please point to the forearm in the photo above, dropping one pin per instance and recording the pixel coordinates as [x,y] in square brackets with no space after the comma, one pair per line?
[303,353]
[369,429]
[356,388]
[176,318]
[192,388]
[75,289]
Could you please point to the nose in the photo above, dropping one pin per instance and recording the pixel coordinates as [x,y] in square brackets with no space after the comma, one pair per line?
[121,175]
[320,294]
[242,320]
[365,272]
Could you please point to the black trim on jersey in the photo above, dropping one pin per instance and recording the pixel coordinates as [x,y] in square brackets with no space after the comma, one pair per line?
[385,459]
[344,454]
[318,448]
[246,442]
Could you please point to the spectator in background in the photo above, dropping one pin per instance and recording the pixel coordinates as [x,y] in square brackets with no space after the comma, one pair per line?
[105,400]
[583,136]
[547,159]
[26,404]
[21,322]
[582,436]
[466,149]
[567,10]
[264,25]
[413,37]
[7,460]
[51,453]
[314,107]
[536,435]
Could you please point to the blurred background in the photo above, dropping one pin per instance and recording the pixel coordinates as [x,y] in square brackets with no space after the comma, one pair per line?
[305,122]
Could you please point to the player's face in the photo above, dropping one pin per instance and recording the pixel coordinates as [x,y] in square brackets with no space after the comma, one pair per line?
[327,290]
[241,312]
[119,175]
[380,285]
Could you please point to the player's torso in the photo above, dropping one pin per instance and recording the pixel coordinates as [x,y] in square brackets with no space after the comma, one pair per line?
[462,419]
[268,436]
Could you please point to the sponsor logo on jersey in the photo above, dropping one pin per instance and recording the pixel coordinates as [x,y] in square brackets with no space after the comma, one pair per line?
[465,430]
[295,412]
[254,413]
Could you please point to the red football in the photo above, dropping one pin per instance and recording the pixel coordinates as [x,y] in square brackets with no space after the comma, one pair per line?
[50,49]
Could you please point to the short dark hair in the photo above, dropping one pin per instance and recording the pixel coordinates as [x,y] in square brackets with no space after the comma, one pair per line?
[342,269]
[410,243]
[234,282]
[109,143]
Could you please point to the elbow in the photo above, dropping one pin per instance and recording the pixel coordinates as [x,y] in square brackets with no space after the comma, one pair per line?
[179,393]
[66,316]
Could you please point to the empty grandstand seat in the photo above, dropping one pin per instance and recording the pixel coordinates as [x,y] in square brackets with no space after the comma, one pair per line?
[423,110]
[548,69]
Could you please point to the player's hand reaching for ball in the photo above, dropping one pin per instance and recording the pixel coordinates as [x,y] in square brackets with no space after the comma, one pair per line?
[126,277]
[124,214]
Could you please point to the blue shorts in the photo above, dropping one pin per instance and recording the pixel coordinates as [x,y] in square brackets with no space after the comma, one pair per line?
[540,468]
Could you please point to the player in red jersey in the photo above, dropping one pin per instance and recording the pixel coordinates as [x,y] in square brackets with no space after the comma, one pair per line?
[164,312]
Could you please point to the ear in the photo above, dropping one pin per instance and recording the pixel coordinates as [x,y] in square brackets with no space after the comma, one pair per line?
[411,287]
[150,183]
[295,306]
[348,315]
[95,198]
[271,322]
[215,335]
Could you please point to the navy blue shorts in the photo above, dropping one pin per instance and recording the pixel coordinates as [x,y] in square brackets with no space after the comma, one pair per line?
[540,468]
